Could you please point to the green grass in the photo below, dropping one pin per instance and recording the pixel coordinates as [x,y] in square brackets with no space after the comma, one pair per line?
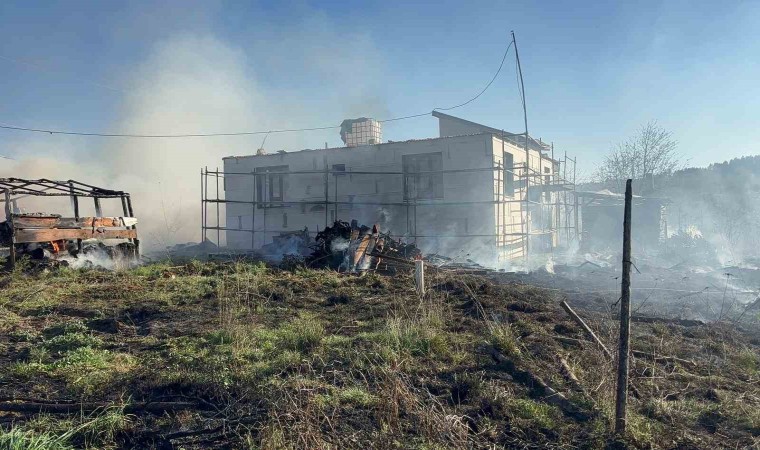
[72,341]
[534,413]
[504,339]
[374,366]
[356,396]
[45,432]
[749,361]
[19,439]
[302,334]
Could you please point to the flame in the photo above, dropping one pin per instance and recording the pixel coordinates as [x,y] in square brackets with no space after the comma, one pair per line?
[58,245]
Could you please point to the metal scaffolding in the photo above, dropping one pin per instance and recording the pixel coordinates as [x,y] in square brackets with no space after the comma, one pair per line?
[541,206]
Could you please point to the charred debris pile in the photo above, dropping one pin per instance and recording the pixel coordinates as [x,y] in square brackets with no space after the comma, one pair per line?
[355,248]
[350,247]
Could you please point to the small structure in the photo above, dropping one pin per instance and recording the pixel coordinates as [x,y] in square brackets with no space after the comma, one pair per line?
[46,235]
[602,220]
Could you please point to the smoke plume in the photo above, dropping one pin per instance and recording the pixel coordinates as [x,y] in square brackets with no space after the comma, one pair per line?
[198,83]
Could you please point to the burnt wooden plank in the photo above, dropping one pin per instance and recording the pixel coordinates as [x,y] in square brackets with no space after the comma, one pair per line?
[65,222]
[56,234]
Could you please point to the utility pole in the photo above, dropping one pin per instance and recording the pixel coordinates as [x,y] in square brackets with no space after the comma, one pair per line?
[625,318]
[527,154]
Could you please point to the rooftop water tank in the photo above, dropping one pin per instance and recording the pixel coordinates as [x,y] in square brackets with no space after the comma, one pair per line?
[361,131]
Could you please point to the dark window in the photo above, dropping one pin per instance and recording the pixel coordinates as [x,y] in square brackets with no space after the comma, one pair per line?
[509,174]
[270,187]
[423,176]
[284,220]
[339,168]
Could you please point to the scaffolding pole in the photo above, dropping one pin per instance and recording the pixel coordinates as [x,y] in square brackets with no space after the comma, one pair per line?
[508,232]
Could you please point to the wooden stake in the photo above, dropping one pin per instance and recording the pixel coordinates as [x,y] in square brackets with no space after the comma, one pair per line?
[419,276]
[625,318]
[75,203]
[585,327]
[9,219]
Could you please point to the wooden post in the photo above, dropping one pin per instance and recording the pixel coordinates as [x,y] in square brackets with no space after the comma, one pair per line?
[625,318]
[419,277]
[131,213]
[9,218]
[75,202]
[527,154]
[585,327]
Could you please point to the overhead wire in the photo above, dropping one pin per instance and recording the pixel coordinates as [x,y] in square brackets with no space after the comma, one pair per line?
[258,132]
[487,86]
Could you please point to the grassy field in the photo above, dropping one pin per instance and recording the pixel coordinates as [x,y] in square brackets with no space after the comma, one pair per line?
[241,355]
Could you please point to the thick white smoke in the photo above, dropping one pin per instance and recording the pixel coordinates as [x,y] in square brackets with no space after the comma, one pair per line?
[196,84]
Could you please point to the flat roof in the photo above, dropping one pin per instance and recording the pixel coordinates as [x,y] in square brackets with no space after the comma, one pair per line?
[278,153]
[515,139]
[519,137]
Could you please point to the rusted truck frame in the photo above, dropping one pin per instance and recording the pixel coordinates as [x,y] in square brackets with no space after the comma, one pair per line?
[40,228]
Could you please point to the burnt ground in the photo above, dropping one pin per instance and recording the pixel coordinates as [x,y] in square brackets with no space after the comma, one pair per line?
[728,294]
[241,355]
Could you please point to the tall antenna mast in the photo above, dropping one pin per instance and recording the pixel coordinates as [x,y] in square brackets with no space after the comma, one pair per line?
[527,154]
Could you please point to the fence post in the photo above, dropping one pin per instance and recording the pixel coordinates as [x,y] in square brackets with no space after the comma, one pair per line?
[419,276]
[9,219]
[625,318]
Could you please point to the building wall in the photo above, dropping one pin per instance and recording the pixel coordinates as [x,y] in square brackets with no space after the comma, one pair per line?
[383,195]
[510,214]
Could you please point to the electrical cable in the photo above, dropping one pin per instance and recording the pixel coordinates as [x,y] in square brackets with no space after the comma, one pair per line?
[250,133]
[487,86]
[241,133]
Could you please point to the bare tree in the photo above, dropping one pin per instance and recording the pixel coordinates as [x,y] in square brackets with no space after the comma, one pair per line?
[648,154]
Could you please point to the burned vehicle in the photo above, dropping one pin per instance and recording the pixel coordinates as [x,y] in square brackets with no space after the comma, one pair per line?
[49,237]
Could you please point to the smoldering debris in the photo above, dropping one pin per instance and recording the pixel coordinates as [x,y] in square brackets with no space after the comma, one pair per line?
[192,250]
[685,291]
[350,247]
[292,243]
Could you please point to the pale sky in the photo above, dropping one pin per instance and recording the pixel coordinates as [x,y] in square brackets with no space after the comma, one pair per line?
[594,72]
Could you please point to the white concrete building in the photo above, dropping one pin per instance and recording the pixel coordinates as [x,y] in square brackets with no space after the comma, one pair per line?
[463,192]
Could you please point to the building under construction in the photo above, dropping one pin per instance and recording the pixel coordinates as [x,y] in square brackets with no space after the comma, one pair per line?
[474,190]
